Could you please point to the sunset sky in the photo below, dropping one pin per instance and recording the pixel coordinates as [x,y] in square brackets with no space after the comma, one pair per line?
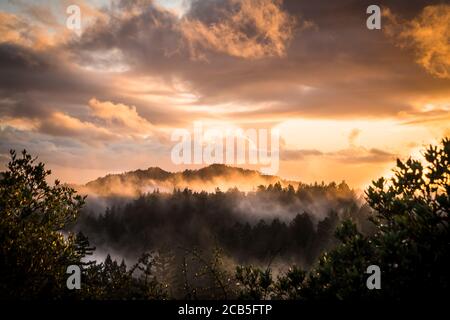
[347,100]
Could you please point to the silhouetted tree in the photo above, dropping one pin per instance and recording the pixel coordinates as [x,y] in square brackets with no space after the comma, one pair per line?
[410,243]
[34,251]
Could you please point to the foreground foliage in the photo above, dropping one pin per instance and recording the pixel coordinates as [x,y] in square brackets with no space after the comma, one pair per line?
[410,244]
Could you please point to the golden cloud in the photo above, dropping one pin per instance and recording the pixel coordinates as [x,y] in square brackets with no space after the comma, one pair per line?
[257,29]
[111,122]
[61,124]
[428,35]
[15,29]
[12,29]
[121,116]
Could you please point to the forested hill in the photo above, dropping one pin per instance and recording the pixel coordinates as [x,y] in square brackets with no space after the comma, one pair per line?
[250,215]
[134,183]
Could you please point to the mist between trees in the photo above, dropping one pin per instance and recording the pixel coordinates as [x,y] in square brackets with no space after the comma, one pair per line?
[199,245]
[265,228]
[273,224]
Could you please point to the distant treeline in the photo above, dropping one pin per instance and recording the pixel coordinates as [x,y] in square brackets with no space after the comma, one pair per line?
[234,221]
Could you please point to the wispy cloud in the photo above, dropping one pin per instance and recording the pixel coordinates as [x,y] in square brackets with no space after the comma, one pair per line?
[60,124]
[120,117]
[354,154]
[428,35]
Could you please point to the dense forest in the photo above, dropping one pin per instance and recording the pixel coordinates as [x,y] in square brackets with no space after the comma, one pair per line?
[196,245]
[240,223]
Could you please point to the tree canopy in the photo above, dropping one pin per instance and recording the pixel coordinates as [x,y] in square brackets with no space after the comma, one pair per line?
[409,241]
